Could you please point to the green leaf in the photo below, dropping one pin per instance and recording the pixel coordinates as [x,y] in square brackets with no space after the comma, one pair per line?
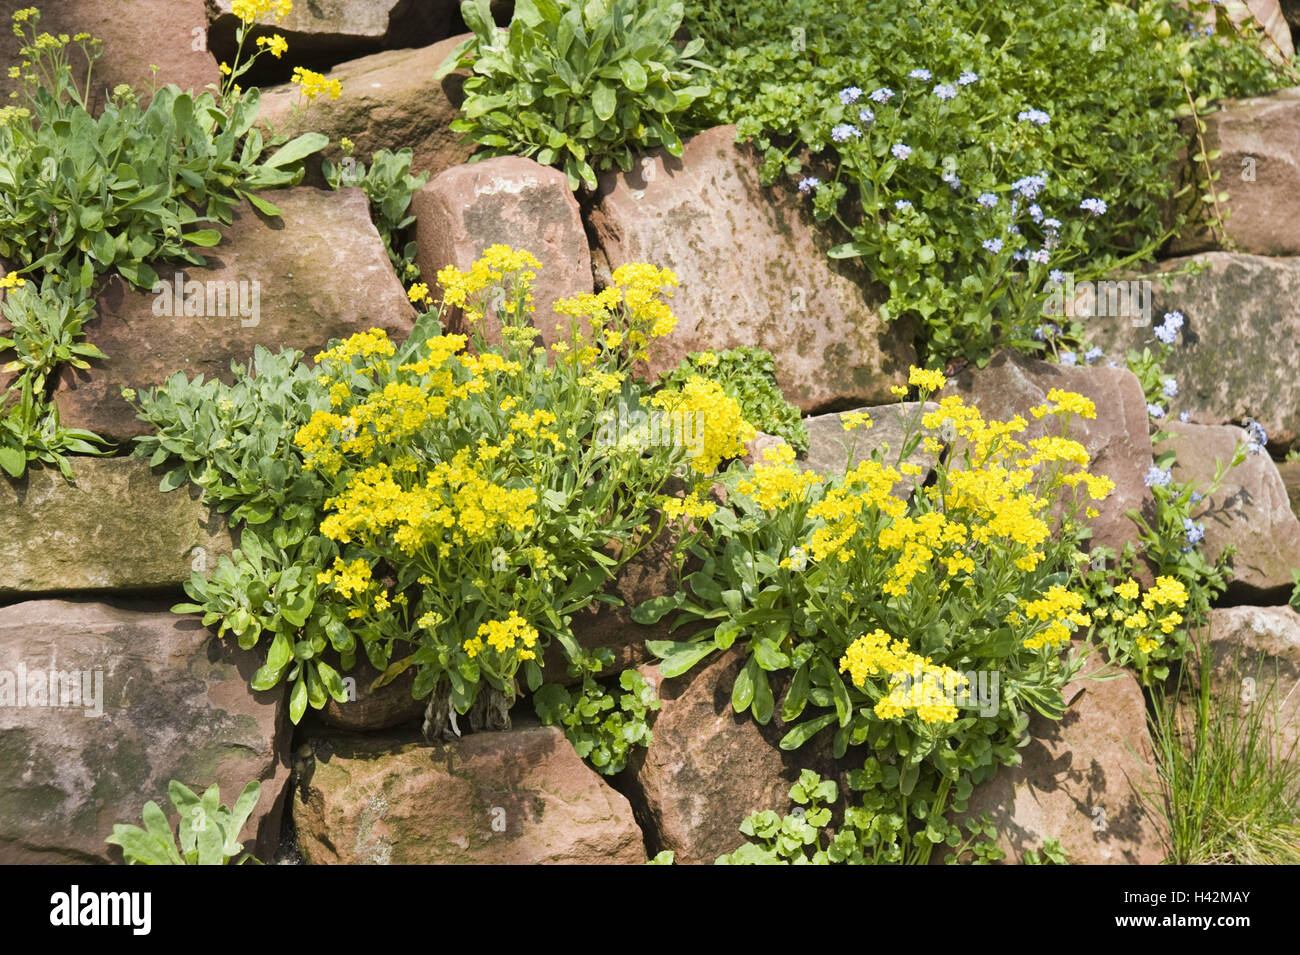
[742,690]
[204,237]
[805,731]
[298,700]
[296,149]
[763,702]
[261,205]
[796,698]
[633,73]
[769,655]
[141,848]
[653,610]
[725,634]
[849,250]
[13,460]
[678,657]
[604,101]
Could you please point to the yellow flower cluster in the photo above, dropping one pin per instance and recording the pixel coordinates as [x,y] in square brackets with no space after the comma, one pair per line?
[601,382]
[499,265]
[10,113]
[513,633]
[590,305]
[276,44]
[12,280]
[313,84]
[1065,402]
[638,289]
[926,380]
[920,538]
[855,419]
[643,285]
[250,11]
[778,482]
[373,341]
[1168,591]
[456,505]
[719,426]
[1061,609]
[1053,448]
[347,579]
[689,507]
[418,294]
[1166,597]
[533,426]
[866,488]
[916,683]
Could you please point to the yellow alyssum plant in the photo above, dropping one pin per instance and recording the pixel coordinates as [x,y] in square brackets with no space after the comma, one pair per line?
[449,503]
[474,488]
[918,623]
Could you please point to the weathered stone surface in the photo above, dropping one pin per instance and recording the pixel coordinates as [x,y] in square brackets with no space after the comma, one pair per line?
[1081,780]
[708,768]
[388,101]
[176,43]
[758,446]
[1118,439]
[517,797]
[753,271]
[1262,645]
[110,530]
[175,704]
[388,706]
[1289,471]
[321,272]
[1259,166]
[1271,19]
[512,201]
[348,28]
[1251,511]
[1237,353]
[829,443]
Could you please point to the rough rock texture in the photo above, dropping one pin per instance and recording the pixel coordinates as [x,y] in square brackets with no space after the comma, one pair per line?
[753,271]
[517,797]
[1081,780]
[1261,645]
[1289,471]
[389,101]
[512,201]
[1251,511]
[1271,17]
[829,443]
[334,28]
[1236,355]
[388,706]
[1117,439]
[321,273]
[757,446]
[110,530]
[709,767]
[137,34]
[175,704]
[1259,167]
